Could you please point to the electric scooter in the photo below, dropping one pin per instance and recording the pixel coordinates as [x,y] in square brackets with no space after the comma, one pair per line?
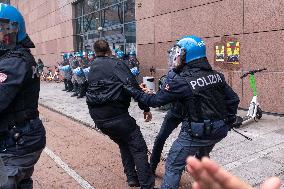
[254,111]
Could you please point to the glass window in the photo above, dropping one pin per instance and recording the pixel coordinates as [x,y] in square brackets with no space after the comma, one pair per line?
[79,11]
[105,3]
[91,22]
[112,16]
[91,6]
[79,25]
[79,42]
[5,1]
[129,11]
[130,32]
[87,23]
[116,17]
[114,35]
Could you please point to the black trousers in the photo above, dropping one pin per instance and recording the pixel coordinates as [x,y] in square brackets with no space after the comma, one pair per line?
[19,159]
[124,131]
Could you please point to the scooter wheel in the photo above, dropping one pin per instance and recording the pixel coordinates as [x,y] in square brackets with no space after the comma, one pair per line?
[258,113]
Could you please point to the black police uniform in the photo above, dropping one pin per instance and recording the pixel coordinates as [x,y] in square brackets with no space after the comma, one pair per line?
[82,81]
[22,135]
[171,121]
[208,102]
[108,105]
[74,64]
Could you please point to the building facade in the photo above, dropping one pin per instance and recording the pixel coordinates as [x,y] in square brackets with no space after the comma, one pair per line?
[257,25]
[58,26]
[112,20]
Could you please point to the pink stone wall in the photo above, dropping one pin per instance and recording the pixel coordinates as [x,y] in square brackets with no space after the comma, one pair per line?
[49,24]
[258,24]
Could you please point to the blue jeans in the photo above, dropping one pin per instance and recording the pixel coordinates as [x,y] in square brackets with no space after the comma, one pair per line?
[171,121]
[183,146]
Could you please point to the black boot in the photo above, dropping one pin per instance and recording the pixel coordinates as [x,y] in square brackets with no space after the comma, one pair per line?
[80,91]
[83,89]
[65,85]
[70,86]
[133,182]
[75,89]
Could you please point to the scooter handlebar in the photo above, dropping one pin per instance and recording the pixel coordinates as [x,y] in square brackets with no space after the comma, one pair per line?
[252,72]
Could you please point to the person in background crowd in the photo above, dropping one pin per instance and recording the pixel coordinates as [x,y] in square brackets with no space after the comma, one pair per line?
[74,65]
[66,72]
[39,66]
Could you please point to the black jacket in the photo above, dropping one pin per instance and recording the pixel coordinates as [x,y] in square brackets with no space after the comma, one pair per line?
[19,85]
[203,92]
[106,97]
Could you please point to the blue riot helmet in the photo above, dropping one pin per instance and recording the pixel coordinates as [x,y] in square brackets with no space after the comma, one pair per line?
[66,68]
[120,54]
[135,71]
[15,19]
[186,50]
[132,55]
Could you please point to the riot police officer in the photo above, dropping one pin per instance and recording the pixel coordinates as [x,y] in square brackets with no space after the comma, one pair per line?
[74,63]
[171,121]
[66,72]
[208,105]
[22,135]
[133,63]
[108,105]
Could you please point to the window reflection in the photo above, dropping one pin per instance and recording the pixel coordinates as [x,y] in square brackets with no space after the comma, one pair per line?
[112,16]
[130,32]
[91,6]
[114,35]
[112,20]
[129,11]
[105,3]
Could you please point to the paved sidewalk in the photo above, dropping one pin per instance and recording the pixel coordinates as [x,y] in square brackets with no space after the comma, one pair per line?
[251,160]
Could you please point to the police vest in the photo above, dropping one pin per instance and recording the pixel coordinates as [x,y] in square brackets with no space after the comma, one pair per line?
[208,101]
[24,105]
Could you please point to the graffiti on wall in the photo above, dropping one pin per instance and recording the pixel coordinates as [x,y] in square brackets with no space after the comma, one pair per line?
[227,53]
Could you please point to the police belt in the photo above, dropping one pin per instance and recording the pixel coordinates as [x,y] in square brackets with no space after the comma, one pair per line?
[17,119]
[201,129]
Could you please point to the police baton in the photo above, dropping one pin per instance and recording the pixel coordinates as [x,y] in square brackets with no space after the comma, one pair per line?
[246,137]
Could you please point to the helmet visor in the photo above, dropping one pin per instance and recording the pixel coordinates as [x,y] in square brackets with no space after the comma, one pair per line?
[174,57]
[8,34]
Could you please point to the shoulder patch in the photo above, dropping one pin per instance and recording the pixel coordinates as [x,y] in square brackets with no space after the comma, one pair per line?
[167,87]
[3,77]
